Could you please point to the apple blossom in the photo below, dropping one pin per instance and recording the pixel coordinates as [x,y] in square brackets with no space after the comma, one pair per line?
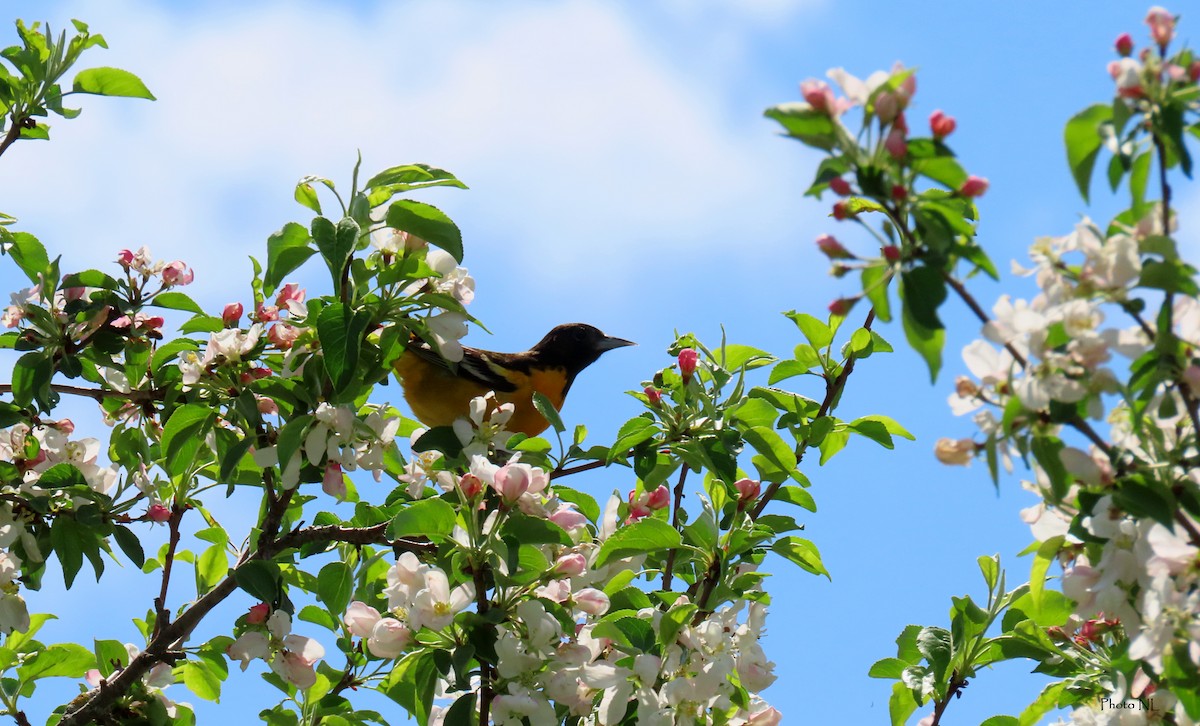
[389,638]
[840,186]
[177,274]
[232,314]
[941,125]
[1162,25]
[591,601]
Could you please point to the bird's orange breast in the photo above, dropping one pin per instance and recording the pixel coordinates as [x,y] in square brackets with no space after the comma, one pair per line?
[437,396]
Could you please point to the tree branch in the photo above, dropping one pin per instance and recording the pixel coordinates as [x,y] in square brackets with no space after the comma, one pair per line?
[162,614]
[99,394]
[668,570]
[87,707]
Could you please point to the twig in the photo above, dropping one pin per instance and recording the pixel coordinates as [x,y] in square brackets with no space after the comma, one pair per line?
[99,394]
[14,132]
[668,570]
[956,686]
[560,472]
[163,615]
[486,675]
[89,706]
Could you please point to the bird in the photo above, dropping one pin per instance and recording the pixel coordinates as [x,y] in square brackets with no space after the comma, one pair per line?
[438,392]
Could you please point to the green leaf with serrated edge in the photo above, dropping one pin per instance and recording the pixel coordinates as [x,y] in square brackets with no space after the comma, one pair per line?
[1084,140]
[60,660]
[427,222]
[887,668]
[543,405]
[183,436]
[646,535]
[432,518]
[633,432]
[771,445]
[68,545]
[785,369]
[1001,721]
[89,278]
[1046,702]
[335,584]
[111,82]
[937,647]
[176,301]
[802,552]
[287,249]
[259,578]
[201,680]
[901,704]
[29,254]
[341,334]
[815,331]
[307,197]
[317,616]
[796,495]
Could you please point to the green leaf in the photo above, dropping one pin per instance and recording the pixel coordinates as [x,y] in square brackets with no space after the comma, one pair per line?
[183,436]
[646,535]
[287,249]
[1001,721]
[927,342]
[89,278]
[771,445]
[176,301]
[633,432]
[335,585]
[201,680]
[796,495]
[815,331]
[427,222]
[1083,140]
[800,121]
[29,254]
[341,334]
[259,578]
[802,552]
[532,530]
[68,542]
[888,668]
[924,292]
[64,660]
[307,196]
[111,82]
[1170,276]
[432,518]
[543,405]
[585,503]
[875,280]
[336,244]
[111,655]
[129,544]
[901,704]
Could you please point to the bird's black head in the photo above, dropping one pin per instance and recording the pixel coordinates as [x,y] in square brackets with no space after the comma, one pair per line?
[575,346]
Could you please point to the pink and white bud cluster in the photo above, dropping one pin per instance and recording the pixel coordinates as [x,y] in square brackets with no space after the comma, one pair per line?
[419,596]
[386,637]
[172,274]
[292,657]
[646,503]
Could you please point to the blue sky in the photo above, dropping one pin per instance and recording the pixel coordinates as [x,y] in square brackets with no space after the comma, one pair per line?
[622,175]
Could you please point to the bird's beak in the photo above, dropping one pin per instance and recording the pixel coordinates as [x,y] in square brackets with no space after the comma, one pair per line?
[609,342]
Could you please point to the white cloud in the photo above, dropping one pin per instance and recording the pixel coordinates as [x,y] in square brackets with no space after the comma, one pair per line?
[583,147]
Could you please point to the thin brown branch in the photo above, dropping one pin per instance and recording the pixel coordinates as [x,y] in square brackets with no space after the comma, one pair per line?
[486,673]
[21,718]
[162,613]
[956,686]
[980,313]
[88,707]
[14,132]
[832,391]
[560,472]
[676,504]
[99,394]
[1186,522]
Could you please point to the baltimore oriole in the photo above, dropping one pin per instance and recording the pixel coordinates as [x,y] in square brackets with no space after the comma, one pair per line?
[440,392]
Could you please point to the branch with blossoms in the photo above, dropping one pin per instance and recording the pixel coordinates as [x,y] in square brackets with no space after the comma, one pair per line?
[1121,517]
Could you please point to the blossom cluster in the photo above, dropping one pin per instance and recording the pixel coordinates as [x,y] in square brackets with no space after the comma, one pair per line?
[269,637]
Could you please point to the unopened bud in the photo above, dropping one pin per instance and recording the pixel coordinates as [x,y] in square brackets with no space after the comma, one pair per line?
[232,314]
[1124,45]
[891,253]
[571,565]
[842,306]
[658,498]
[833,249]
[748,490]
[965,387]
[899,192]
[258,614]
[973,187]
[158,513]
[841,211]
[470,485]
[653,395]
[840,186]
[688,358]
[941,125]
[955,452]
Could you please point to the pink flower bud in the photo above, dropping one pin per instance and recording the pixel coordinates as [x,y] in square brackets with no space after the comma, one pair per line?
[1194,71]
[1162,25]
[748,490]
[974,186]
[1124,45]
[470,485]
[389,638]
[232,314]
[177,274]
[572,565]
[266,405]
[833,249]
[887,106]
[896,144]
[658,498]
[899,192]
[158,513]
[74,293]
[511,481]
[941,125]
[591,601]
[334,484]
[688,358]
[842,306]
[258,614]
[891,253]
[65,425]
[840,186]
[125,258]
[841,211]
[653,395]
